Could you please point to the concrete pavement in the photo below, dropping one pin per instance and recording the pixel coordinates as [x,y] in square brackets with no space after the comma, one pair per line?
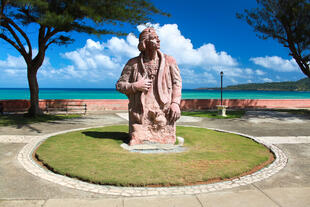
[290,187]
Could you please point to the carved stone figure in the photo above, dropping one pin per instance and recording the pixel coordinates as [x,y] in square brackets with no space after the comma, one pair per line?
[153,85]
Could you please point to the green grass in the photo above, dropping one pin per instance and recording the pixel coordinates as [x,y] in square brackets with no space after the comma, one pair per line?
[215,114]
[95,155]
[20,119]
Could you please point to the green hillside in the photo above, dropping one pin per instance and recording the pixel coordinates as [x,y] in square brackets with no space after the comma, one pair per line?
[301,85]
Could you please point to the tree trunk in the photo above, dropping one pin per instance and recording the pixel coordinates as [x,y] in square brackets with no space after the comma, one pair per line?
[34,109]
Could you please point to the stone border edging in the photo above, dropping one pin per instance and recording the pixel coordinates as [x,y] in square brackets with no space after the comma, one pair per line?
[25,158]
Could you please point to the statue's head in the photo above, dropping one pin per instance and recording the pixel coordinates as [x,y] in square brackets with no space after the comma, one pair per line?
[148,38]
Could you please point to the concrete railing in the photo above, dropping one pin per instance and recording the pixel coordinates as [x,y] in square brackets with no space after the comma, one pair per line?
[186,104]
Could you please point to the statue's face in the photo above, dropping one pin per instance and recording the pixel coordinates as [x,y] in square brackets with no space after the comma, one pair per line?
[153,42]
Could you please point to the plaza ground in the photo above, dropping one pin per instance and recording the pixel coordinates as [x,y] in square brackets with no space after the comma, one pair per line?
[290,187]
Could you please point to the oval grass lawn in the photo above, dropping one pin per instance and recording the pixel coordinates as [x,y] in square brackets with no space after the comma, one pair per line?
[95,155]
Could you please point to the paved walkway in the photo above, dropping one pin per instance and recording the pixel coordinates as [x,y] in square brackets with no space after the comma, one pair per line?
[289,187]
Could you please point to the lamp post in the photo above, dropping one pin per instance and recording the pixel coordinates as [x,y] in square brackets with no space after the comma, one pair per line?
[221,107]
[222,87]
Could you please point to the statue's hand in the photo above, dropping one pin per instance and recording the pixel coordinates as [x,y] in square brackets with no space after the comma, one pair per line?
[175,112]
[143,84]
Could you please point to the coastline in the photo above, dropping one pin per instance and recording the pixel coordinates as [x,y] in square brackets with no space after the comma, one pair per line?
[106,93]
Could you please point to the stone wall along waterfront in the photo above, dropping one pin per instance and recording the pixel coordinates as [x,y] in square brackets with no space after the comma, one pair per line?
[97,105]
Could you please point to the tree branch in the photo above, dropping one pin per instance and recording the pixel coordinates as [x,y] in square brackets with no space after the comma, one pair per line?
[48,44]
[21,46]
[41,36]
[3,4]
[23,53]
[22,33]
[49,34]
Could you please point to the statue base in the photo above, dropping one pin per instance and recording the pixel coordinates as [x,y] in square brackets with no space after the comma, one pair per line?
[156,147]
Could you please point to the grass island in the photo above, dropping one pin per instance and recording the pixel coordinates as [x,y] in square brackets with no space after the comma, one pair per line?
[95,156]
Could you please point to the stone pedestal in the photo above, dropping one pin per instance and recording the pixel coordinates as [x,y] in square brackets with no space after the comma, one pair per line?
[222,110]
[156,147]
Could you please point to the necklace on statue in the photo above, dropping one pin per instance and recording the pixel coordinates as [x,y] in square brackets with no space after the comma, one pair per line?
[151,68]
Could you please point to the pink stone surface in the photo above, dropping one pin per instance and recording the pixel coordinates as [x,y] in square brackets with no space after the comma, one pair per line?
[101,105]
[153,85]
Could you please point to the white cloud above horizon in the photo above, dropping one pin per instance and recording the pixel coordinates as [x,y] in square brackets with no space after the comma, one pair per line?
[276,63]
[175,44]
[267,80]
[108,58]
[259,72]
[97,61]
[13,62]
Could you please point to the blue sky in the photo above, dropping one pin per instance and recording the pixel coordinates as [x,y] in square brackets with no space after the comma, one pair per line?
[205,37]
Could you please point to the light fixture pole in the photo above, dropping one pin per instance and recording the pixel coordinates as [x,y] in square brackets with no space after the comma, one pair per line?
[222,87]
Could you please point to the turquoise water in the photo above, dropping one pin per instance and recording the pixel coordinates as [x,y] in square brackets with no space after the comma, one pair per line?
[45,93]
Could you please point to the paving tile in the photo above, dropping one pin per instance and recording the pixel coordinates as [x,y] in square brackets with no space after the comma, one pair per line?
[250,198]
[173,201]
[21,203]
[109,202]
[290,197]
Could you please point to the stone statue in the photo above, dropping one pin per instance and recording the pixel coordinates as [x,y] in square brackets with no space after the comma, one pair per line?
[153,85]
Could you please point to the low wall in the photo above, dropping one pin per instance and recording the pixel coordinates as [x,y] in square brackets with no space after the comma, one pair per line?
[92,104]
[186,104]
[196,104]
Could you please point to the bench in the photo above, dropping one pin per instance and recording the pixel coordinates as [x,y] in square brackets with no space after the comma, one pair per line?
[13,108]
[66,109]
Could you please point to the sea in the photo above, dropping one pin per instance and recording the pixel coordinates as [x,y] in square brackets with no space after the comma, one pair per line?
[86,93]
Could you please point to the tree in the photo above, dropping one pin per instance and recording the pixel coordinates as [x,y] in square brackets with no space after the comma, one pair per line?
[287,21]
[54,19]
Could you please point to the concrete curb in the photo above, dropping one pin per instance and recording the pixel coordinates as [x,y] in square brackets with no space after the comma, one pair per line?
[25,158]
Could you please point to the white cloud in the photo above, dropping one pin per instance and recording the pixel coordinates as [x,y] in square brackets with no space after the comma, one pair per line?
[108,58]
[98,61]
[235,72]
[248,71]
[276,63]
[192,77]
[15,67]
[234,81]
[259,72]
[13,62]
[175,44]
[15,72]
[124,48]
[267,80]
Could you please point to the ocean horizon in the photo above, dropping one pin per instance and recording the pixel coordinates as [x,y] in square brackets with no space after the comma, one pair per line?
[109,93]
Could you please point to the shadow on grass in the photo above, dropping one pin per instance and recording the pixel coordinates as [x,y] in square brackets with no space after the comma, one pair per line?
[122,136]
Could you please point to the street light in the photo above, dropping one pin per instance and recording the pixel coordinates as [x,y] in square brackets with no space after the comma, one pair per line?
[221,107]
[222,87]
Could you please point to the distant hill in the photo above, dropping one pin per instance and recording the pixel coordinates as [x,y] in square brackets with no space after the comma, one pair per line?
[301,85]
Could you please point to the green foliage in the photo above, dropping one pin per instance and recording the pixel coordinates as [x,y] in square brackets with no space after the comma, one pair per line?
[96,156]
[287,21]
[301,85]
[90,16]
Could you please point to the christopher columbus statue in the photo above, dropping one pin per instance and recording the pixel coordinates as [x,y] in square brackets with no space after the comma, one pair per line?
[153,85]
